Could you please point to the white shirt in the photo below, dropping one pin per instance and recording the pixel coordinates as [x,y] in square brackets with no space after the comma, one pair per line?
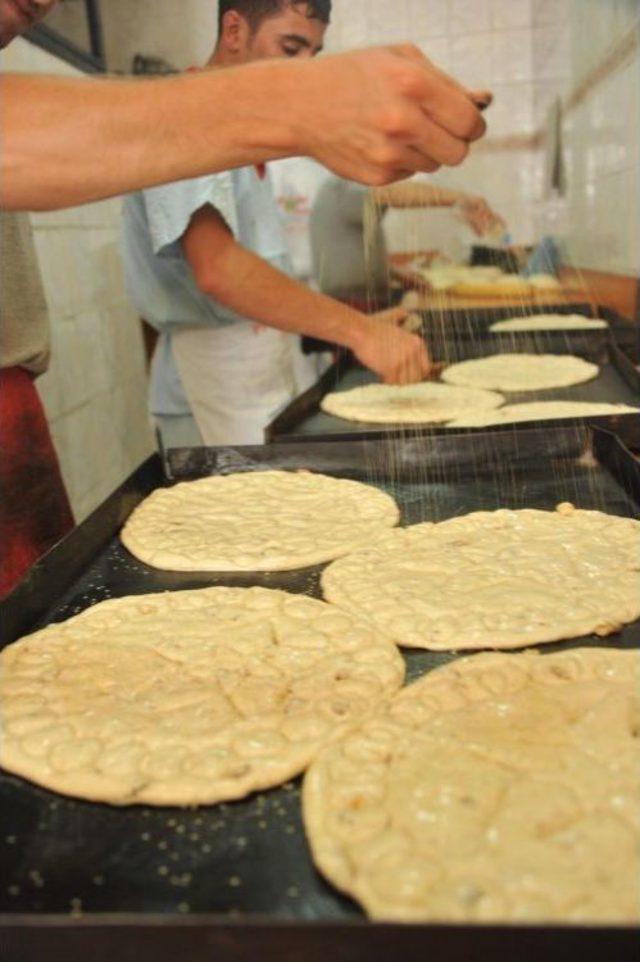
[159,278]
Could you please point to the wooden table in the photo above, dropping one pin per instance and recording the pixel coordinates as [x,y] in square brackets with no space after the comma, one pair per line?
[620,293]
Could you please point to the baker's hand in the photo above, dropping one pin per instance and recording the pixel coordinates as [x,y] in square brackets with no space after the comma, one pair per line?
[399,317]
[395,355]
[395,316]
[382,114]
[479,216]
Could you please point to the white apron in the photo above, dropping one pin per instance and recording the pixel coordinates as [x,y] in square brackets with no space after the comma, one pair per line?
[238,378]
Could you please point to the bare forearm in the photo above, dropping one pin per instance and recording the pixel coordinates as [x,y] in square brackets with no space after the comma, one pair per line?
[253,288]
[410,194]
[67,142]
[371,115]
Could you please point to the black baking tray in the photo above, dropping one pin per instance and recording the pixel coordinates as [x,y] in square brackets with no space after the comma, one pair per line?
[235,881]
[618,382]
[456,334]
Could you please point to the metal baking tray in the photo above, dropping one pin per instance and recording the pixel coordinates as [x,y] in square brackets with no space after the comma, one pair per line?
[454,335]
[618,382]
[235,881]
[449,330]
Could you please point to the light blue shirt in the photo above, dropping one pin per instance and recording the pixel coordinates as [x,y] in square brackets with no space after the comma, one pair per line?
[159,279]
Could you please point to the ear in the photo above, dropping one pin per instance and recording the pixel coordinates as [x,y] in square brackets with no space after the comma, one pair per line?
[234,33]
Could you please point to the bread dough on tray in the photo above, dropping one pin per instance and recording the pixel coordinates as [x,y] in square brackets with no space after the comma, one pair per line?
[495,579]
[508,286]
[187,697]
[500,788]
[541,411]
[521,372]
[425,403]
[548,322]
[257,521]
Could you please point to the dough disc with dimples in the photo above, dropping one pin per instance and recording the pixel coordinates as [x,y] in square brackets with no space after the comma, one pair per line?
[425,403]
[257,521]
[521,372]
[495,579]
[500,788]
[541,411]
[187,697]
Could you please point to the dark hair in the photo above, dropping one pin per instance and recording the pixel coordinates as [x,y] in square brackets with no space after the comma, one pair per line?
[255,11]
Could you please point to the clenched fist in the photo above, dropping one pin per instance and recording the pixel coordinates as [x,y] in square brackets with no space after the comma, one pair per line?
[381,114]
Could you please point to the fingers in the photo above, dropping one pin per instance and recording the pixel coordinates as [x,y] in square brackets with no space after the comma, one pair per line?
[454,111]
[437,143]
[482,98]
[449,104]
[401,115]
[394,316]
[413,364]
[412,323]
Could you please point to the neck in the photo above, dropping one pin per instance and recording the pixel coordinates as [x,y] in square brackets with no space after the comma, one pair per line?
[221,58]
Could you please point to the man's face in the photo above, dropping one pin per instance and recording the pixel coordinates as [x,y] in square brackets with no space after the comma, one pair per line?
[291,33]
[16,16]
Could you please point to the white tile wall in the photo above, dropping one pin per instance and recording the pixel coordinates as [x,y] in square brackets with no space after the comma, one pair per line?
[506,14]
[181,33]
[530,52]
[438,50]
[95,390]
[484,43]
[555,12]
[600,228]
[427,19]
[470,16]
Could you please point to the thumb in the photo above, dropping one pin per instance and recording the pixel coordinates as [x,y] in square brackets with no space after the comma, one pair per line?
[482,98]
[394,316]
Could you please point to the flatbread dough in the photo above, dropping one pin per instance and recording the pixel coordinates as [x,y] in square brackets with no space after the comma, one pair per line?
[500,788]
[187,697]
[257,521]
[495,579]
[442,277]
[425,403]
[509,285]
[412,301]
[541,411]
[548,322]
[521,372]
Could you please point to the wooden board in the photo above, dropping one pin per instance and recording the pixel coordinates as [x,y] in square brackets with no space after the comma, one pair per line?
[615,291]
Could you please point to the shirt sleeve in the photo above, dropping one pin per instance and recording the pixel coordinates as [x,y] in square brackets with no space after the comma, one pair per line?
[170,208]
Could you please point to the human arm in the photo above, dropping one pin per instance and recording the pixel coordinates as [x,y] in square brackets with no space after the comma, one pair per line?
[372,115]
[412,194]
[249,285]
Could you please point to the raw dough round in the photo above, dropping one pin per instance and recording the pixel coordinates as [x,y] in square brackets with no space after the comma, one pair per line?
[500,788]
[541,411]
[521,372]
[258,521]
[412,301]
[443,277]
[425,403]
[548,322]
[187,697]
[510,285]
[495,579]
